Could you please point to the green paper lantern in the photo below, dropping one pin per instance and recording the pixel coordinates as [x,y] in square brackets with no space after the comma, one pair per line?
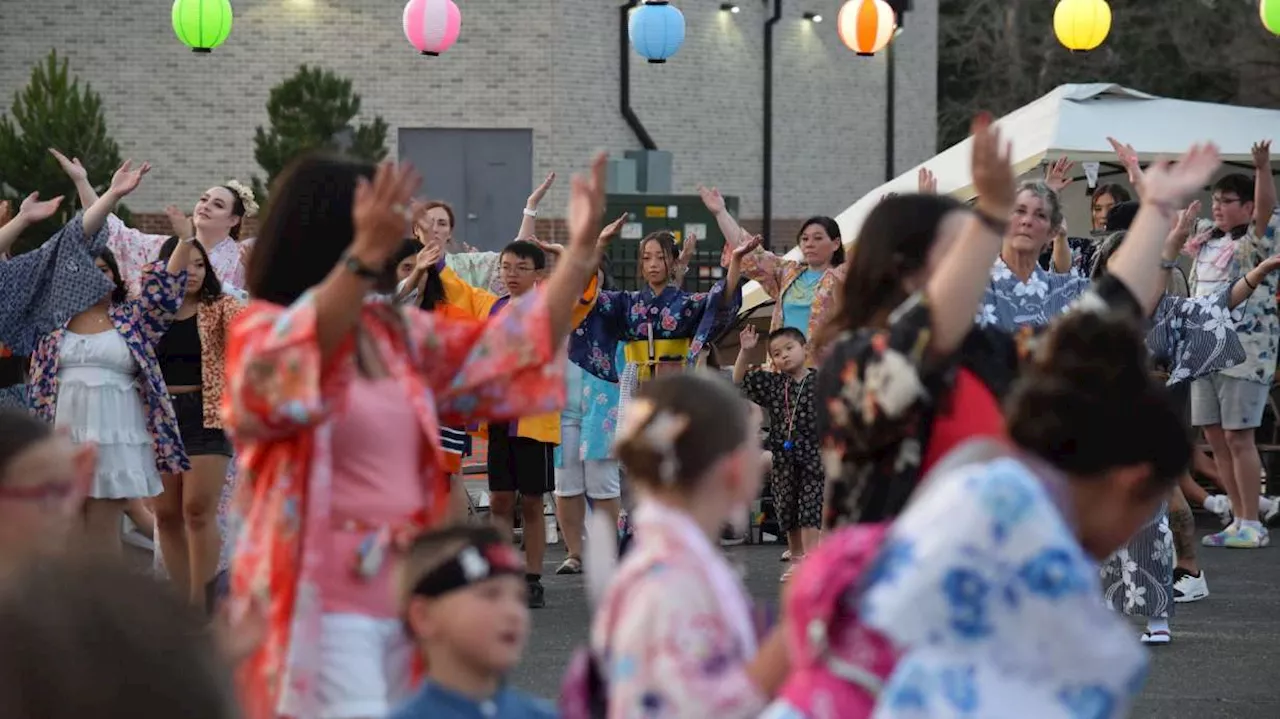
[202,25]
[1269,10]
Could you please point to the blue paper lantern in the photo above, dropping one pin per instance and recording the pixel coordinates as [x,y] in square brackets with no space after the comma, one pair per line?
[656,30]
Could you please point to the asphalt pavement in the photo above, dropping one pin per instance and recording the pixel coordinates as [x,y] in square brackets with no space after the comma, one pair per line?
[1223,663]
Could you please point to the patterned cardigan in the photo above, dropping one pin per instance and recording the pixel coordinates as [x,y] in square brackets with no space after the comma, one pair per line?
[141,321]
[214,322]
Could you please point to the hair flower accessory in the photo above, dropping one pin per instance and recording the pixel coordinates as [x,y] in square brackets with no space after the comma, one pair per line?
[246,197]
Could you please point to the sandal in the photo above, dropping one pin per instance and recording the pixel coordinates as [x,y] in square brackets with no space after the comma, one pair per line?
[1159,636]
[570,565]
[786,556]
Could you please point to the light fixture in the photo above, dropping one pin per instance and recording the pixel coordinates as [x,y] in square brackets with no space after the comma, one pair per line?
[431,26]
[730,7]
[1081,25]
[656,30]
[813,17]
[866,26]
[202,25]
[1270,12]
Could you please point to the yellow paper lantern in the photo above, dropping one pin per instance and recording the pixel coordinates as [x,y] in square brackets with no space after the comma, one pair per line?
[866,26]
[202,25]
[1269,11]
[1082,25]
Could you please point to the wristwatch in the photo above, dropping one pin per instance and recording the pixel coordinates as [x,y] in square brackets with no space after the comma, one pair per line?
[352,264]
[530,213]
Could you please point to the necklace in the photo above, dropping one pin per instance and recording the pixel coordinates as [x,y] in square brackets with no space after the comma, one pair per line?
[790,411]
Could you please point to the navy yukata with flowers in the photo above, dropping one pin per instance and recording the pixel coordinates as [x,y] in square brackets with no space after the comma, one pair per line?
[141,321]
[42,289]
[974,586]
[1010,303]
[625,316]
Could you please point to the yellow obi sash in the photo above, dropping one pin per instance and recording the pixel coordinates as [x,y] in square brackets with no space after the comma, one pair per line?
[648,356]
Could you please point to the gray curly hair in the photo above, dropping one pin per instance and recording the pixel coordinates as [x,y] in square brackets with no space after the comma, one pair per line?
[1048,196]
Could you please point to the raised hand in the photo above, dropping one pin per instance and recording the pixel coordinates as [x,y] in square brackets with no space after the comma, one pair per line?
[540,192]
[748,338]
[6,213]
[127,179]
[1186,223]
[1262,155]
[712,199]
[611,231]
[586,206]
[926,183]
[688,250]
[551,248]
[379,211]
[748,247]
[72,167]
[1129,158]
[1058,175]
[34,210]
[178,220]
[1170,185]
[429,256]
[992,168]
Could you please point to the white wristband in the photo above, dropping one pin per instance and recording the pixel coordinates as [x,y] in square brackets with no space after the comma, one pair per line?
[530,213]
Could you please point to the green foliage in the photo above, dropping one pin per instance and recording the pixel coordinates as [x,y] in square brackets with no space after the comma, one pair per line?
[54,110]
[998,55]
[306,112]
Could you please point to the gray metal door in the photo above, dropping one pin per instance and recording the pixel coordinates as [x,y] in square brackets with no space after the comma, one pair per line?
[485,174]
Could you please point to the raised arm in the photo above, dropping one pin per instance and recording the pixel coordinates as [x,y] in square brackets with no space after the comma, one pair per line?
[1150,247]
[734,235]
[530,219]
[79,176]
[31,211]
[957,286]
[1264,191]
[125,181]
[1244,287]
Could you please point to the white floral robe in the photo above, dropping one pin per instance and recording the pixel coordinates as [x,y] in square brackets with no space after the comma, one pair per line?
[1010,303]
[995,607]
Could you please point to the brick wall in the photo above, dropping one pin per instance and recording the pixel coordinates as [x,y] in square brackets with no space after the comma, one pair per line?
[549,65]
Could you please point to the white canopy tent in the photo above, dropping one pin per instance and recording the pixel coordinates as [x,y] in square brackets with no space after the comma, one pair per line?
[1075,121]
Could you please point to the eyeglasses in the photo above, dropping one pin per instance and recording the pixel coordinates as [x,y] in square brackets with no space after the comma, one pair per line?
[1219,200]
[48,496]
[516,270]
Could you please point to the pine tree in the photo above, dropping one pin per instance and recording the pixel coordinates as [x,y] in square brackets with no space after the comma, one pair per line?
[54,110]
[308,112]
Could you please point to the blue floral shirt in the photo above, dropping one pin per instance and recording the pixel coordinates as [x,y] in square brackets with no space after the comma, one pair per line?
[619,317]
[1259,323]
[1193,337]
[995,607]
[1010,303]
[591,405]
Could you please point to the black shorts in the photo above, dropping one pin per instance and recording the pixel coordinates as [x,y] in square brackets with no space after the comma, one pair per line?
[198,439]
[520,464]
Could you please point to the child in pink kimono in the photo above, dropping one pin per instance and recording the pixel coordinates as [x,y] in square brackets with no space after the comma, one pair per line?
[674,635]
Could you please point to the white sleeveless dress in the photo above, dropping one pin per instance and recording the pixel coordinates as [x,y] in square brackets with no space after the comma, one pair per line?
[98,402]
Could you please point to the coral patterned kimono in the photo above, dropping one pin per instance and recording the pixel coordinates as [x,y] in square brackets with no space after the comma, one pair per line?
[279,405]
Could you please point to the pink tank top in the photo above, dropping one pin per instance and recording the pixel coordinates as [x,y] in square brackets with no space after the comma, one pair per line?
[377,450]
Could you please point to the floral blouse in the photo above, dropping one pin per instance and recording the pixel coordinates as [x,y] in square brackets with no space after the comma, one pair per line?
[1259,323]
[597,415]
[141,322]
[1194,337]
[671,640]
[1010,303]
[279,406]
[776,275]
[620,317]
[41,290]
[214,322]
[994,606]
[879,389]
[135,250]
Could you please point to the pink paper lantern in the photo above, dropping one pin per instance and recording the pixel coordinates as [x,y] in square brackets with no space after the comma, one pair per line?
[432,26]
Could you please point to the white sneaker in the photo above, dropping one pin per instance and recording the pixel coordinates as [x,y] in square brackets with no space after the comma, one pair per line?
[131,535]
[1188,587]
[1220,505]
[1268,508]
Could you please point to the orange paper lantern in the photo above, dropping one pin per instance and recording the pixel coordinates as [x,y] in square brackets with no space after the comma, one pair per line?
[866,26]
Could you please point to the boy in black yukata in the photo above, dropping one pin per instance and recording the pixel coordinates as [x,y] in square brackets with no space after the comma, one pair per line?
[786,395]
[463,599]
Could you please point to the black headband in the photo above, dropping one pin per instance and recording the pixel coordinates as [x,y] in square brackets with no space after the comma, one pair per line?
[473,563]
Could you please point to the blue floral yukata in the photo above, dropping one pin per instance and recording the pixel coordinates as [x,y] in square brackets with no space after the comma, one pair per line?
[1010,303]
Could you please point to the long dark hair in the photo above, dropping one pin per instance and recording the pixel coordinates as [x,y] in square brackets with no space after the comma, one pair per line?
[832,228]
[667,243]
[894,242]
[120,294]
[211,288]
[237,210]
[306,228]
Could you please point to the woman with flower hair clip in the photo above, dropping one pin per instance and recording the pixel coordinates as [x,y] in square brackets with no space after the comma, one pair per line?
[215,222]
